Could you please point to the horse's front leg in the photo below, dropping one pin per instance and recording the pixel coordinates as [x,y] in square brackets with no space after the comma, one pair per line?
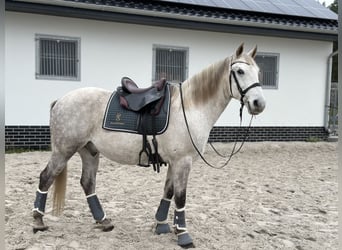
[180,176]
[163,209]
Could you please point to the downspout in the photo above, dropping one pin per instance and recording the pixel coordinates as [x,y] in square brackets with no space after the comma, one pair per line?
[327,91]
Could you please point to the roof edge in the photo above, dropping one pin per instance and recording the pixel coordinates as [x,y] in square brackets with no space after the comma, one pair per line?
[166,19]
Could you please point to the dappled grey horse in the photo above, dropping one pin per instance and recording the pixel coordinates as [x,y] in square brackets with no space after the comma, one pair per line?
[76,126]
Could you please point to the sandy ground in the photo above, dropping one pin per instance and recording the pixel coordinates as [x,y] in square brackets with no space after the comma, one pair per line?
[271,196]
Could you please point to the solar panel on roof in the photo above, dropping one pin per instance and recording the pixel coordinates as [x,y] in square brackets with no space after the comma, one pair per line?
[216,2]
[265,6]
[234,4]
[306,8]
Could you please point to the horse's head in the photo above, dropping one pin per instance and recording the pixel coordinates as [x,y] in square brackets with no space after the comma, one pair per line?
[244,81]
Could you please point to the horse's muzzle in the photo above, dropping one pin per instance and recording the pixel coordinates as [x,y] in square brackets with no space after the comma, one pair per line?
[256,106]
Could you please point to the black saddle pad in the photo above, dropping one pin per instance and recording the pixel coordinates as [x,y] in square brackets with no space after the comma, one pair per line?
[119,119]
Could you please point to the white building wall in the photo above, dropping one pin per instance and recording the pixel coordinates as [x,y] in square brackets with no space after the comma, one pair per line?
[110,51]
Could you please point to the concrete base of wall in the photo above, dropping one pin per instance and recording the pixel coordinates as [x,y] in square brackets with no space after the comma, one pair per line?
[38,137]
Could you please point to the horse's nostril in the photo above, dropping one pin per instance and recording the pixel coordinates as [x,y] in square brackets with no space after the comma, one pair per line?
[256,103]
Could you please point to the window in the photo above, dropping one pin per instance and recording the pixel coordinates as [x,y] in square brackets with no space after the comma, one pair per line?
[57,58]
[170,63]
[269,65]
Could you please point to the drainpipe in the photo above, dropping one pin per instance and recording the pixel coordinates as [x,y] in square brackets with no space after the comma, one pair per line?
[327,91]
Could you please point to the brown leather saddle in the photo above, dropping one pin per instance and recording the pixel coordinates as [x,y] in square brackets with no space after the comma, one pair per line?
[134,98]
[147,102]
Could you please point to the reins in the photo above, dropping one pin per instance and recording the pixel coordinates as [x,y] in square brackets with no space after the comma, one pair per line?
[235,143]
[233,152]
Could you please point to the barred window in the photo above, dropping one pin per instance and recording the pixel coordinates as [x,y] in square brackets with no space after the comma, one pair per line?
[57,58]
[269,65]
[170,63]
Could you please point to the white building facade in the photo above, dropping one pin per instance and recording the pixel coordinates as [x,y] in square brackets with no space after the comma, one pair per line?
[109,49]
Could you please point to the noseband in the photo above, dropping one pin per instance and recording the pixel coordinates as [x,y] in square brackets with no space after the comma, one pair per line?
[241,91]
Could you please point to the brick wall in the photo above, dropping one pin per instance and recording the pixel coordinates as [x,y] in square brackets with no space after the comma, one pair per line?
[230,134]
[27,137]
[38,137]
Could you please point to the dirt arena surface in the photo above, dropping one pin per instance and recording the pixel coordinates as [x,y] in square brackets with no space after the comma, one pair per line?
[273,195]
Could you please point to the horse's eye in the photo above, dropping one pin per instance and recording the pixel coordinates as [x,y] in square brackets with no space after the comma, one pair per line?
[240,72]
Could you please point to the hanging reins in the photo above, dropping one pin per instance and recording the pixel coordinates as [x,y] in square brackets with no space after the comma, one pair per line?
[242,95]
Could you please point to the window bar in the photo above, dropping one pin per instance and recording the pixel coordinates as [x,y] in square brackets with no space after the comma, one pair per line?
[54,69]
[41,58]
[58,58]
[70,59]
[172,65]
[63,59]
[162,60]
[49,48]
[70,56]
[67,60]
[165,68]
[51,58]
[176,65]
[73,61]
[44,62]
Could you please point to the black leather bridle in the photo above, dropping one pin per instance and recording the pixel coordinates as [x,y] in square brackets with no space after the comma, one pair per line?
[241,91]
[242,95]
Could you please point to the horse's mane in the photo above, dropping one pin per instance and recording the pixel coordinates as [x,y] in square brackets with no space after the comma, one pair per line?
[204,85]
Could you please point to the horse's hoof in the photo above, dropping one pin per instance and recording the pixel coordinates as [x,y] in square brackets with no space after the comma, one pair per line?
[163,229]
[38,223]
[191,245]
[105,225]
[185,240]
[108,228]
[40,228]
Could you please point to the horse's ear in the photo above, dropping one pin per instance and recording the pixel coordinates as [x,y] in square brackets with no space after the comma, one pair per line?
[239,50]
[252,53]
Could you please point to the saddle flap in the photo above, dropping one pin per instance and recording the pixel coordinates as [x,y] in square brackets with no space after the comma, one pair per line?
[136,102]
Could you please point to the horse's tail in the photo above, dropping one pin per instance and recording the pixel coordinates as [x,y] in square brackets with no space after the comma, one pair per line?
[59,184]
[59,192]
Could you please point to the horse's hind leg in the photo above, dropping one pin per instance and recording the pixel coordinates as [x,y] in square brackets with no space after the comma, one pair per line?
[55,167]
[90,162]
